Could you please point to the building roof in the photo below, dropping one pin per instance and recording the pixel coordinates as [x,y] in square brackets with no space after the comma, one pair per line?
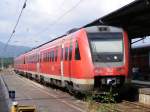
[134,18]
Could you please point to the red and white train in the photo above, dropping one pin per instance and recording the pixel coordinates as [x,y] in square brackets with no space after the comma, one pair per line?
[87,59]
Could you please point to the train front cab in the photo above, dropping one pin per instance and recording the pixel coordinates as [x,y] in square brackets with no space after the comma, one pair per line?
[108,66]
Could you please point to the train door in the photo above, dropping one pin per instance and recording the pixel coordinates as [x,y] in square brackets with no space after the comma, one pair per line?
[70,59]
[66,62]
[62,64]
[38,63]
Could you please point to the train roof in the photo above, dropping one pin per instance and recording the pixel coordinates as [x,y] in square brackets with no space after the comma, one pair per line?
[88,29]
[67,33]
[46,43]
[103,28]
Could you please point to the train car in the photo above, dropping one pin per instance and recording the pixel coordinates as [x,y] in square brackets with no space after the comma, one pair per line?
[19,63]
[92,58]
[141,62]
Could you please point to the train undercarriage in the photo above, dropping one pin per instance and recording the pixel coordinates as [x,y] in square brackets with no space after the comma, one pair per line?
[102,85]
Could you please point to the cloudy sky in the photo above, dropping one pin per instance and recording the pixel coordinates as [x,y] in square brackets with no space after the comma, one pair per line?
[43,20]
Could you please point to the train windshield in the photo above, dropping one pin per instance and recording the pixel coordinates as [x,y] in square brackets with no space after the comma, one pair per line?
[106,47]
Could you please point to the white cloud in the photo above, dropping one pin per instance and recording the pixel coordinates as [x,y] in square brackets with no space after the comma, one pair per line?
[40,14]
[5,26]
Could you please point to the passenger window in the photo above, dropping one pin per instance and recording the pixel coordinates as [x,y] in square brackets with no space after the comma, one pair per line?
[70,52]
[43,57]
[52,56]
[46,57]
[49,55]
[77,52]
[61,53]
[56,54]
[66,53]
[40,57]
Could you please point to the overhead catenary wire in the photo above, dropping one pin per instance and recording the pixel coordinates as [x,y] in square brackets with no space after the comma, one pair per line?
[52,24]
[17,22]
[62,3]
[61,17]
[138,40]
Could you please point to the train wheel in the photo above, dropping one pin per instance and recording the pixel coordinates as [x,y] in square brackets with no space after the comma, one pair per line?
[70,89]
[69,86]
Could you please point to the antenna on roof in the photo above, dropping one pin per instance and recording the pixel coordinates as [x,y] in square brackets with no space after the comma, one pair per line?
[72,30]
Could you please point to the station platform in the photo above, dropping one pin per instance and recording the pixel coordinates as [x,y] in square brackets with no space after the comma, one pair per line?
[3,99]
[143,91]
[43,98]
[47,99]
[144,96]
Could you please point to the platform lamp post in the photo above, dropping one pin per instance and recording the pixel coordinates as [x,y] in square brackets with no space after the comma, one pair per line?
[2,59]
[2,63]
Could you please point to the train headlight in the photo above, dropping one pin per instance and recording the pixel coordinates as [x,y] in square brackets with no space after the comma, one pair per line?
[115,57]
[111,81]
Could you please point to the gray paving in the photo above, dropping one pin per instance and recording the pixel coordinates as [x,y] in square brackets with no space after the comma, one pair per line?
[45,99]
[3,104]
